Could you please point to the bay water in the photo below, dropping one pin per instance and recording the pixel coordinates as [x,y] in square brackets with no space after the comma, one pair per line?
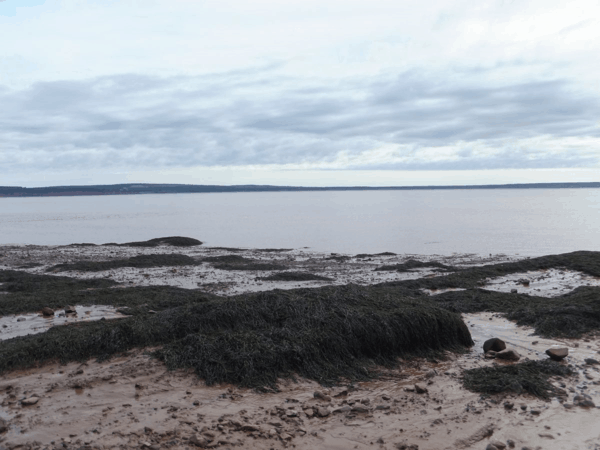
[528,222]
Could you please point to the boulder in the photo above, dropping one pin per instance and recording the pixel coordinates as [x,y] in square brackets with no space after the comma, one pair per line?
[490,354]
[591,361]
[48,312]
[509,355]
[557,353]
[494,344]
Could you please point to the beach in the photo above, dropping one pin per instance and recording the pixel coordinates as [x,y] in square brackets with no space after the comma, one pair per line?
[133,399]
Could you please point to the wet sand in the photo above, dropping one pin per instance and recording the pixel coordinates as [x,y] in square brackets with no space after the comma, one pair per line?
[132,401]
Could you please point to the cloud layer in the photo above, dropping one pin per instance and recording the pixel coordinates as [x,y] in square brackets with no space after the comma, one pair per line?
[411,120]
[302,84]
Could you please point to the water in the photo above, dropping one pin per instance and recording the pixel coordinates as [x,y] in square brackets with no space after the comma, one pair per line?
[526,222]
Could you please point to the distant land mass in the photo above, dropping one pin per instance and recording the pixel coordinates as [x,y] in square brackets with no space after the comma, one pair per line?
[146,188]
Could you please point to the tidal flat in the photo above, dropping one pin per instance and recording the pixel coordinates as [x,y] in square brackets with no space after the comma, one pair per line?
[168,343]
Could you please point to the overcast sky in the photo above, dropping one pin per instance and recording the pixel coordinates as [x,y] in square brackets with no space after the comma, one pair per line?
[303,92]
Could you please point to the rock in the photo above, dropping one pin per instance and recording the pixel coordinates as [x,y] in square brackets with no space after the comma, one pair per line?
[249,428]
[48,312]
[491,447]
[511,443]
[546,435]
[360,409]
[490,354]
[309,413]
[535,412]
[509,355]
[557,353]
[3,425]
[499,445]
[322,396]
[514,291]
[342,410]
[583,400]
[199,441]
[508,405]
[591,361]
[322,411]
[70,309]
[420,389]
[30,401]
[21,319]
[430,373]
[495,344]
[291,413]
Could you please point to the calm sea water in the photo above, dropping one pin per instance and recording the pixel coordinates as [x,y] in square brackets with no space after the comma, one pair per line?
[525,222]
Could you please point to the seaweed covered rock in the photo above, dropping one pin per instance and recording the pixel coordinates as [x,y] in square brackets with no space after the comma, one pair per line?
[494,344]
[324,334]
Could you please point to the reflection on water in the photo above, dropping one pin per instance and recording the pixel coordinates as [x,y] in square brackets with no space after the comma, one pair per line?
[24,324]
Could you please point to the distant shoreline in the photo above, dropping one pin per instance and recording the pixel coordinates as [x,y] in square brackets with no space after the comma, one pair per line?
[146,188]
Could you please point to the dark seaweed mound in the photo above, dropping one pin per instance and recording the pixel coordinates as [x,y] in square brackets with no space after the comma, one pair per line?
[324,334]
[570,315]
[530,376]
[368,255]
[175,241]
[295,276]
[139,262]
[413,264]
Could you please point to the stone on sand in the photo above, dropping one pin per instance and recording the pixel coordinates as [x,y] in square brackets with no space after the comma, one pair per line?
[509,355]
[557,353]
[495,344]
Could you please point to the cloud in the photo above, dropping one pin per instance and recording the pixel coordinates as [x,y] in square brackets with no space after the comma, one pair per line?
[414,120]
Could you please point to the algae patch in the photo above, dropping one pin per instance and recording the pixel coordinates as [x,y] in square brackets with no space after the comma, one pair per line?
[530,376]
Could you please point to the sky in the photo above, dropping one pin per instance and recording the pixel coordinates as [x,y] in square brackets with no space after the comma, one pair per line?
[312,93]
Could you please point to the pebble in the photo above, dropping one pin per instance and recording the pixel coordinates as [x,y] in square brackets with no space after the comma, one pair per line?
[420,389]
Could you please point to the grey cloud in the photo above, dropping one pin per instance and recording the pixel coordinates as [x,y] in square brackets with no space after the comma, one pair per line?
[259,117]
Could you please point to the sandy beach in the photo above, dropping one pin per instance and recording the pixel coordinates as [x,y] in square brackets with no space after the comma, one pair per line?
[132,400]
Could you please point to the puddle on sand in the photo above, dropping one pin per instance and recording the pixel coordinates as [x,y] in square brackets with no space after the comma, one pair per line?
[543,283]
[441,291]
[34,323]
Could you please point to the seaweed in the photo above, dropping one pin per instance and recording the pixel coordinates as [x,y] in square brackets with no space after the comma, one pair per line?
[139,262]
[34,292]
[529,376]
[413,264]
[368,255]
[249,266]
[295,276]
[227,259]
[175,241]
[324,334]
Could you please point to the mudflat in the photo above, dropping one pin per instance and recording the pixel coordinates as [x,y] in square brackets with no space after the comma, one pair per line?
[171,344]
